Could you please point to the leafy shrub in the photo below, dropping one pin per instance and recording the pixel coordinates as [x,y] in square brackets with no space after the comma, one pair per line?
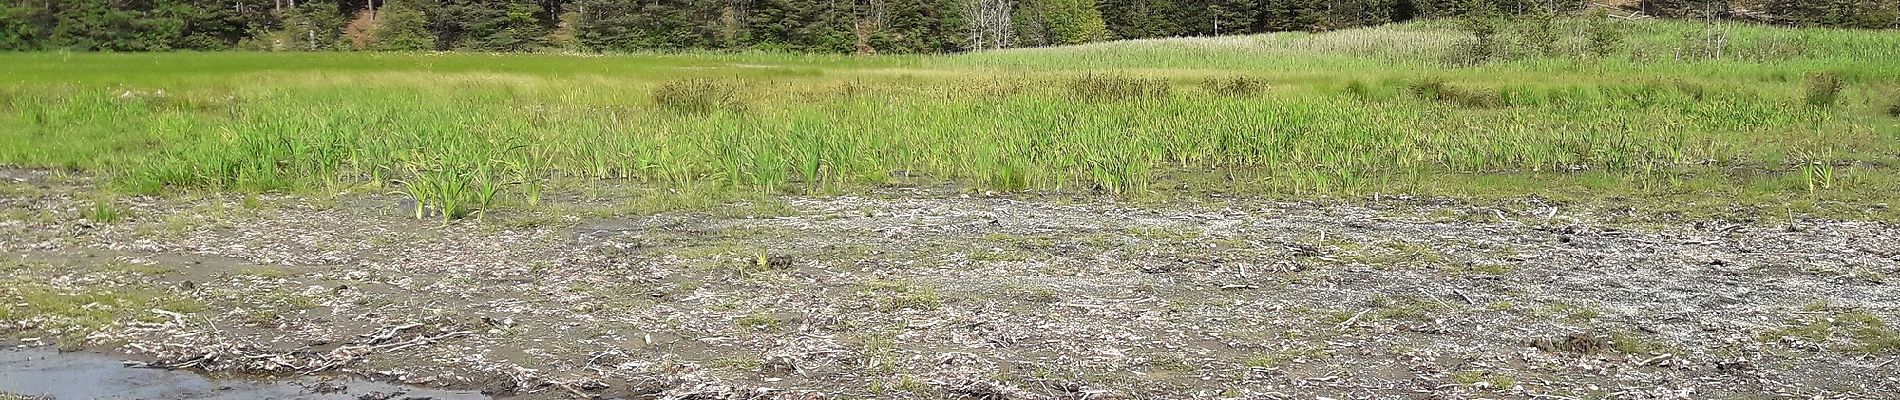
[1824,89]
[1118,88]
[1234,86]
[698,96]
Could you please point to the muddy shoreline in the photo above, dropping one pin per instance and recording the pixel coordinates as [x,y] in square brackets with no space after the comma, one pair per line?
[43,372]
[914,293]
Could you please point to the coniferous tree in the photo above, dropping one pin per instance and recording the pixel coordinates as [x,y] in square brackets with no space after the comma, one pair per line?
[1288,15]
[771,23]
[488,25]
[1137,19]
[832,28]
[312,26]
[1031,24]
[95,25]
[1355,13]
[514,28]
[918,26]
[1866,14]
[1446,8]
[74,25]
[644,24]
[211,25]
[607,25]
[402,25]
[801,25]
[23,25]
[879,26]
[1218,17]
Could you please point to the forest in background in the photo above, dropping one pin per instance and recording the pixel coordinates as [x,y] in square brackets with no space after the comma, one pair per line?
[832,26]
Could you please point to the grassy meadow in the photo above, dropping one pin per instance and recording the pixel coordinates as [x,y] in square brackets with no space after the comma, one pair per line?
[1771,117]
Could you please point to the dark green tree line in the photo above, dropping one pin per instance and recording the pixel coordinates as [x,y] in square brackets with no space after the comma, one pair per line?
[841,26]
[1864,14]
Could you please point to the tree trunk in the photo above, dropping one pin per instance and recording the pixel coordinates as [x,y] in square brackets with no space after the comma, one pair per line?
[990,23]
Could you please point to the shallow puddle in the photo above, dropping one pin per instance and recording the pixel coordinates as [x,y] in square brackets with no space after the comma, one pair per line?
[43,371]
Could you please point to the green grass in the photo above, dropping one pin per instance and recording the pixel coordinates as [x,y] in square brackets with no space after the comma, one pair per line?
[1484,379]
[894,295]
[1841,329]
[759,322]
[1283,358]
[1786,116]
[103,211]
[74,314]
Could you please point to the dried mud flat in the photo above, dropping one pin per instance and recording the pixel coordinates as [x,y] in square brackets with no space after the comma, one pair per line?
[934,294]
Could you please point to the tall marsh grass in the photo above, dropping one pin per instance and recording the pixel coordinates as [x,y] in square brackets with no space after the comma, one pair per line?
[698,96]
[1367,111]
[1094,87]
[1824,89]
[1234,86]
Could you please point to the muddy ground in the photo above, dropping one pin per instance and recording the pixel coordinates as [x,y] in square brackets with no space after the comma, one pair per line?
[940,293]
[44,372]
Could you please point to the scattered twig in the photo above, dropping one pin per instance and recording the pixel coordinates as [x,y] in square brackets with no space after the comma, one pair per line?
[388,334]
[1462,296]
[1653,360]
[178,319]
[1355,318]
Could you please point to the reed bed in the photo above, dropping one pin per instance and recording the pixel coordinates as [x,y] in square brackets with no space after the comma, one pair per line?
[1363,113]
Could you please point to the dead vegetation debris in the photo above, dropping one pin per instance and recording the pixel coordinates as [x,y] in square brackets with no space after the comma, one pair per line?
[919,294]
